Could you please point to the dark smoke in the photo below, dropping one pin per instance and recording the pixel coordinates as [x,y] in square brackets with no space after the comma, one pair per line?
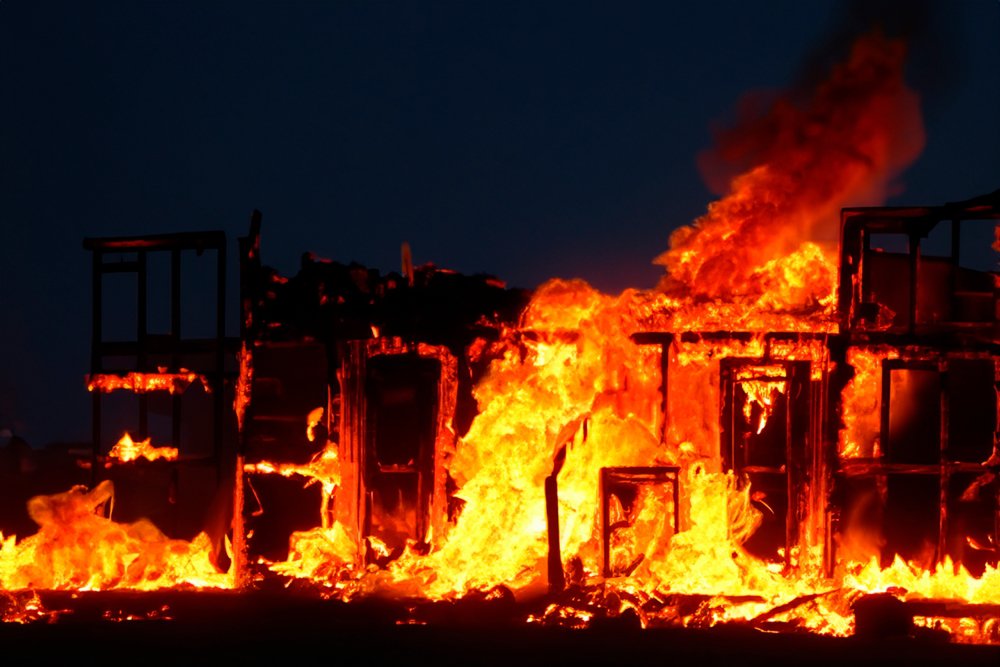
[929,28]
[935,57]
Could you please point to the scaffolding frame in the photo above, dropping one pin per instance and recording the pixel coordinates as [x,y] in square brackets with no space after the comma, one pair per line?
[157,354]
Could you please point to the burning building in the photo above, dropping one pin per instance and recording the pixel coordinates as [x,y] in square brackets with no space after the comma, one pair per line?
[795,427]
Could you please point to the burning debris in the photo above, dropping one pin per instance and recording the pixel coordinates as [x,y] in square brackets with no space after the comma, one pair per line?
[161,380]
[751,442]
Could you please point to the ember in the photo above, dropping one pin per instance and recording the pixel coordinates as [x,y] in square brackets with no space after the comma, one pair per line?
[778,430]
[143,382]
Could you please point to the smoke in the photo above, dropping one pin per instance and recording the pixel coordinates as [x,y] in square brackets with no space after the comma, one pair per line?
[798,159]
[929,28]
[935,56]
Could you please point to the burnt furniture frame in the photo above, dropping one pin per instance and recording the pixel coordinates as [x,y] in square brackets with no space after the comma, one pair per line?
[635,476]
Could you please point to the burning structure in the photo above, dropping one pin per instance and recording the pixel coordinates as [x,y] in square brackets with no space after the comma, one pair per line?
[789,426]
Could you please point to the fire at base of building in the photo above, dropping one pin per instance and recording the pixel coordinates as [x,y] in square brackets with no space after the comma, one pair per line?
[429,435]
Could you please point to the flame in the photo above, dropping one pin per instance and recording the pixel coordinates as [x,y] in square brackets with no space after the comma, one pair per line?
[139,383]
[313,420]
[244,381]
[24,607]
[76,548]
[323,468]
[841,147]
[862,399]
[327,551]
[127,450]
[569,393]
[760,393]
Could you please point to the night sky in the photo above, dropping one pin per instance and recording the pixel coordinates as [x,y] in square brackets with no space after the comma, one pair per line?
[527,140]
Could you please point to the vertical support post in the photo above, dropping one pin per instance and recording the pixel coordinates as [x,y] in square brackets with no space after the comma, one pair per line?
[914,280]
[791,469]
[866,272]
[956,256]
[352,436]
[677,501]
[238,567]
[247,253]
[884,442]
[175,338]
[664,388]
[557,578]
[220,357]
[602,489]
[945,476]
[142,352]
[96,343]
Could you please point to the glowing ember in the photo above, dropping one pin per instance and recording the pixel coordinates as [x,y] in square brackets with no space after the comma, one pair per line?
[127,450]
[23,607]
[174,383]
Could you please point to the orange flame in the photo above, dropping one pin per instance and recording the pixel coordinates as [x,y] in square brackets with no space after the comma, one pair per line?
[127,450]
[76,548]
[840,148]
[568,385]
[569,393]
[139,383]
[760,393]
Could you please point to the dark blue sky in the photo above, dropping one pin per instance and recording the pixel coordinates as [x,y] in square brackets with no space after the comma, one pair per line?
[524,139]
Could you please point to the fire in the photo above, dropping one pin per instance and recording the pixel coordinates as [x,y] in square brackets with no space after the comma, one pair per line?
[242,391]
[568,394]
[23,607]
[325,552]
[842,146]
[761,394]
[314,419]
[863,401]
[139,383]
[77,548]
[740,325]
[324,469]
[127,450]
[946,580]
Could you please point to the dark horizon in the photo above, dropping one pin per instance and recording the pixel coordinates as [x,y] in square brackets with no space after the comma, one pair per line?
[526,142]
